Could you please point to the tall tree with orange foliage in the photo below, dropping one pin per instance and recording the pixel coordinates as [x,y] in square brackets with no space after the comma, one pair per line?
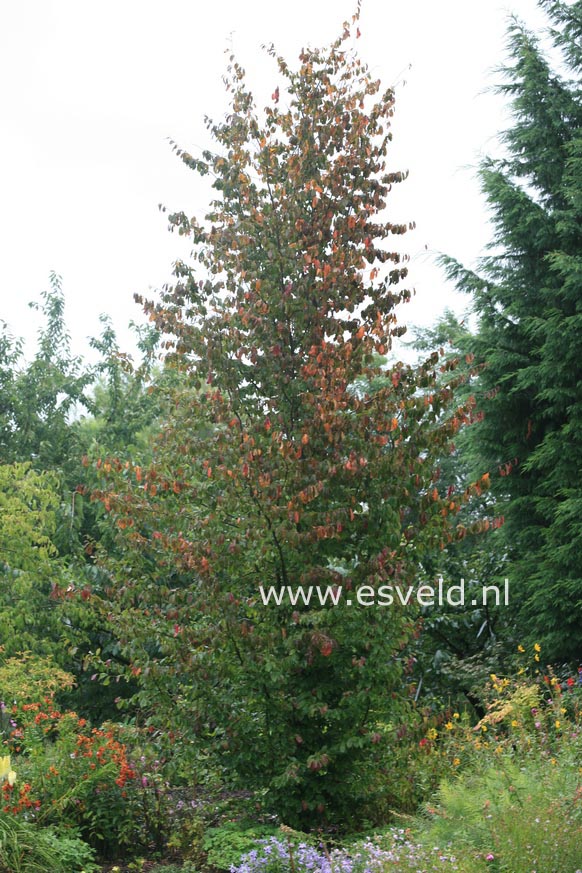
[294,456]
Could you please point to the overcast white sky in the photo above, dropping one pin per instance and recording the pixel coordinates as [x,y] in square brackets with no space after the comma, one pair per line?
[91,92]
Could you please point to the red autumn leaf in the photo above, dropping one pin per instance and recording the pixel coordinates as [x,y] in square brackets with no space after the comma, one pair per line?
[299,413]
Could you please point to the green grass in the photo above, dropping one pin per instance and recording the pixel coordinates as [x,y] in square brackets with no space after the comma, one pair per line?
[28,848]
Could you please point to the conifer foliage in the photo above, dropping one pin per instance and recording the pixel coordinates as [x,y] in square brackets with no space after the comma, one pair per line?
[287,460]
[528,296]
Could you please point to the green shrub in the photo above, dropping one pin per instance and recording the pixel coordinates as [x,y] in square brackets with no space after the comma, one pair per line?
[30,678]
[511,785]
[28,848]
[71,774]
[225,845]
[187,839]
[523,814]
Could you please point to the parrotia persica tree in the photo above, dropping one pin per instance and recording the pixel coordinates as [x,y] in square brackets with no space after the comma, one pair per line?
[287,461]
[528,295]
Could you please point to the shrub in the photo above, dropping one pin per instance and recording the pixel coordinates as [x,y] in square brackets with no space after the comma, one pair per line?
[27,848]
[227,844]
[70,773]
[525,817]
[514,790]
[106,781]
[27,678]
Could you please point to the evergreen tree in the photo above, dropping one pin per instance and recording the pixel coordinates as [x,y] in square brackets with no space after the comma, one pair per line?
[461,645]
[528,296]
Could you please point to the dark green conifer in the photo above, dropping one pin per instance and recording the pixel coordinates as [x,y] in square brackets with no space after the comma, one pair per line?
[528,298]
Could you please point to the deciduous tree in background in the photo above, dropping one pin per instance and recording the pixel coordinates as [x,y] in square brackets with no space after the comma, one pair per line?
[39,398]
[286,460]
[54,409]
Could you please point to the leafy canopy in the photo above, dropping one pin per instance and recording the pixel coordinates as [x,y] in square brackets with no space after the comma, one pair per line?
[292,456]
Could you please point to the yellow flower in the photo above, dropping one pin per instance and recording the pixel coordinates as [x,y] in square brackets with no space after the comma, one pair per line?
[514,723]
[484,728]
[537,647]
[455,714]
[449,725]
[432,734]
[456,762]
[558,723]
[536,657]
[6,771]
[520,648]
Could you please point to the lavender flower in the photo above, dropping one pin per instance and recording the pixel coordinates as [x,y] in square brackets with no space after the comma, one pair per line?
[274,856]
